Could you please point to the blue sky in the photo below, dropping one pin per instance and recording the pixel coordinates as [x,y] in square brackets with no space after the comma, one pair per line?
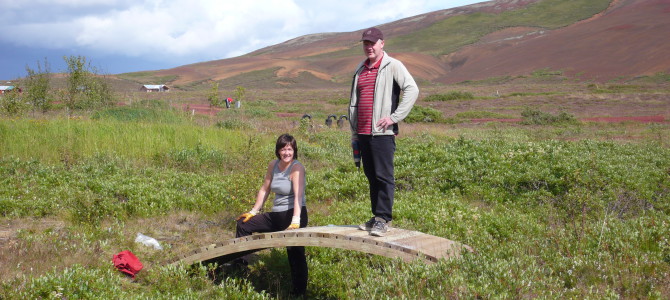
[118,36]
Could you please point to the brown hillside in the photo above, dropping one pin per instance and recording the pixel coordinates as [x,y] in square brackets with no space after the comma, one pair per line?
[302,54]
[628,39]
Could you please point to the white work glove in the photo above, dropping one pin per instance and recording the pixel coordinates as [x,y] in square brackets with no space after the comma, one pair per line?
[295,223]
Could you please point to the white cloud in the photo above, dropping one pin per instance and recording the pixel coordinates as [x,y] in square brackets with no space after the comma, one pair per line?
[207,29]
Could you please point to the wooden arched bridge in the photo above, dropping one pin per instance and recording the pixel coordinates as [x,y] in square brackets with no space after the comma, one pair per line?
[398,243]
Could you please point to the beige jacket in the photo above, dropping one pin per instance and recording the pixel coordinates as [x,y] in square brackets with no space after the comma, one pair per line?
[392,78]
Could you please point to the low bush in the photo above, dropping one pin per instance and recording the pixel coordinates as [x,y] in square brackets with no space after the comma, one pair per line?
[546,72]
[617,88]
[262,103]
[422,114]
[453,95]
[536,117]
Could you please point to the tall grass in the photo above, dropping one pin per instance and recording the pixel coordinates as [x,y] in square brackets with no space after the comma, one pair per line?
[72,139]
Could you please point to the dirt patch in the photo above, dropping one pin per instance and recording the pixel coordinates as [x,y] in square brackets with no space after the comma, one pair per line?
[288,115]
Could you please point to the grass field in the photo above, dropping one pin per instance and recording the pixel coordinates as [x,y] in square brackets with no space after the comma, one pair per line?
[554,209]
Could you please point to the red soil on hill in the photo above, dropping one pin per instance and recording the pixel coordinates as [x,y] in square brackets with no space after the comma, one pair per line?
[627,39]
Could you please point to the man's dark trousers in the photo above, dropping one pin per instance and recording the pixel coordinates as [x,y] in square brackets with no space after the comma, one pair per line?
[377,155]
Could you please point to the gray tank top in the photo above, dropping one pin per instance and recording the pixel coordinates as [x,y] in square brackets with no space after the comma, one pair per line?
[283,189]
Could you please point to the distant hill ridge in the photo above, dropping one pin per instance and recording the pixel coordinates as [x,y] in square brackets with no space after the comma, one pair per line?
[590,39]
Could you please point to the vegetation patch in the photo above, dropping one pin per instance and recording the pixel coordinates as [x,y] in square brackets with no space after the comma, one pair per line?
[234,124]
[482,115]
[524,94]
[572,211]
[453,95]
[423,114]
[139,114]
[546,72]
[616,88]
[148,77]
[536,117]
[462,30]
[339,101]
[659,77]
[554,214]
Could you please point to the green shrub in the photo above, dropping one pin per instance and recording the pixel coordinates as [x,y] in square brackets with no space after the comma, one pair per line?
[421,114]
[257,112]
[234,124]
[546,72]
[262,103]
[617,88]
[453,95]
[13,104]
[537,117]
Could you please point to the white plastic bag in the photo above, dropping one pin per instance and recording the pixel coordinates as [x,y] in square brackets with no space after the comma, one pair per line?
[148,241]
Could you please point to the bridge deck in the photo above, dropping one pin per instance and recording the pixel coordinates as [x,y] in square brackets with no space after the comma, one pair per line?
[398,243]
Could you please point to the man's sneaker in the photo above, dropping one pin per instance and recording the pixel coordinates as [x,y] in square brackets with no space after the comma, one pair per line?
[367,226]
[379,228]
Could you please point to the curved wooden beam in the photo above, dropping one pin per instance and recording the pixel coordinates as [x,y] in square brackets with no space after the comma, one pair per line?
[398,243]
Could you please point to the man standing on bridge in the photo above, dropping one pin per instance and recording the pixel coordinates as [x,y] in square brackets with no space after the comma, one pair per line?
[375,108]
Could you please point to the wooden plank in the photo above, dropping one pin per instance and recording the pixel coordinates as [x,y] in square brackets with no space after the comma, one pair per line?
[398,243]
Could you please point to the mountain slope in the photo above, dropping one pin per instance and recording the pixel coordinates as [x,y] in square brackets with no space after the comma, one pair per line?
[626,40]
[596,39]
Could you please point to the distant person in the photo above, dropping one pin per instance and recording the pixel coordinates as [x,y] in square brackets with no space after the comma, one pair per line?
[285,177]
[375,108]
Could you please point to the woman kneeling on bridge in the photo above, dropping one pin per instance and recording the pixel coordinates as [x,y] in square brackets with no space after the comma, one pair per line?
[285,177]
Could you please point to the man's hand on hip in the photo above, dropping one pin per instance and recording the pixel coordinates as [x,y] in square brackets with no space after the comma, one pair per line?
[385,123]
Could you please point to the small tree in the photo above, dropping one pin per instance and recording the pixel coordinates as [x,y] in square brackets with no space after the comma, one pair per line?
[85,89]
[213,98]
[75,80]
[239,93]
[37,87]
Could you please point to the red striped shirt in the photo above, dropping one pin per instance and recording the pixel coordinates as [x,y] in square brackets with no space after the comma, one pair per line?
[366,92]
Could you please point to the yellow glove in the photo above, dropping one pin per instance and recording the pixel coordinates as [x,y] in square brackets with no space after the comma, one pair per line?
[247,216]
[295,223]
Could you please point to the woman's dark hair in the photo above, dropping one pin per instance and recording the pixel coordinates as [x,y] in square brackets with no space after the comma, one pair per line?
[286,139]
